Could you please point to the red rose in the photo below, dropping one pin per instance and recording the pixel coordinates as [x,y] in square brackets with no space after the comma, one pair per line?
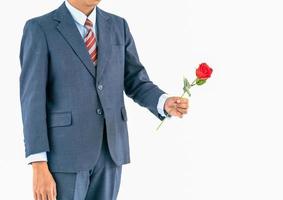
[203,72]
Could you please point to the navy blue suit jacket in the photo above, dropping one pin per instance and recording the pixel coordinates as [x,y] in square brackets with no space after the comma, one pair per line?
[66,100]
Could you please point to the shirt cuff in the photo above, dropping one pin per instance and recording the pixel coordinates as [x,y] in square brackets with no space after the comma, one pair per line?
[160,105]
[42,156]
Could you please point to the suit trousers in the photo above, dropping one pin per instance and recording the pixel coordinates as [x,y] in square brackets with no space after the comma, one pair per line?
[100,183]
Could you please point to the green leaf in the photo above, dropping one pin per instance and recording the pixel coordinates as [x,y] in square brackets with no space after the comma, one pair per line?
[200,81]
[187,85]
[188,92]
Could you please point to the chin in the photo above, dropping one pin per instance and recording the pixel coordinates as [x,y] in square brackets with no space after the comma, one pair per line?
[93,2]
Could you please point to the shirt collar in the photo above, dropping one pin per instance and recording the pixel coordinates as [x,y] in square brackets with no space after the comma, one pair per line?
[79,16]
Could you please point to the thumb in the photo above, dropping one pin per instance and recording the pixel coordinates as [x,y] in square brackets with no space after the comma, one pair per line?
[176,99]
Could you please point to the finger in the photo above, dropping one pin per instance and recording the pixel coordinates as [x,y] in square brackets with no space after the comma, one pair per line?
[182,110]
[183,105]
[54,193]
[176,113]
[50,196]
[174,100]
[38,196]
[43,196]
[182,100]
[35,196]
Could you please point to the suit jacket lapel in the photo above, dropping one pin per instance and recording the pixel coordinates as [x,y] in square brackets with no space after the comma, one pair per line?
[104,41]
[70,33]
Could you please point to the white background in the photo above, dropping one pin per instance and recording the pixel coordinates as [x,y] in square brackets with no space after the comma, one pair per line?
[229,146]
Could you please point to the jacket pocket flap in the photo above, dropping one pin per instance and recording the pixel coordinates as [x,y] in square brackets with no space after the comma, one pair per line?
[59,119]
[124,113]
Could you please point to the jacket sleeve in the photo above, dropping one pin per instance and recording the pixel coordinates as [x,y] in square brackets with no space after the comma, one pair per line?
[33,81]
[137,84]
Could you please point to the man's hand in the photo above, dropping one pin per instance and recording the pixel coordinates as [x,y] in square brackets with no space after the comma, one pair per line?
[44,186]
[176,106]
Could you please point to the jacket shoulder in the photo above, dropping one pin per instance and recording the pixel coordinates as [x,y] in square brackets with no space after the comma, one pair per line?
[112,16]
[41,20]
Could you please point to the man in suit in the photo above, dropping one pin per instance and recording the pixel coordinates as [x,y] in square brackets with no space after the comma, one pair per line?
[76,63]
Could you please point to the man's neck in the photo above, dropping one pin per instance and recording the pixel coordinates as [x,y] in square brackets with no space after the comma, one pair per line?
[82,7]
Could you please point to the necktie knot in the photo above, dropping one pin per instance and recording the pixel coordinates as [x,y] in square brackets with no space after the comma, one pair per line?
[88,24]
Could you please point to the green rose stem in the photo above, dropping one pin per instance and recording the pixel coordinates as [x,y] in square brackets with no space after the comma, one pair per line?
[186,88]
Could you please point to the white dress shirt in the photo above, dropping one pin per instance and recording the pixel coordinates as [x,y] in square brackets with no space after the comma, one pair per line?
[80,19]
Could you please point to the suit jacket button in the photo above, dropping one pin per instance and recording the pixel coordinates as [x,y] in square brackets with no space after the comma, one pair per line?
[99,111]
[100,87]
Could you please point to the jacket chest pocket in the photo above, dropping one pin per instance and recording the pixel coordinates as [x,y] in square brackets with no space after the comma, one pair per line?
[57,119]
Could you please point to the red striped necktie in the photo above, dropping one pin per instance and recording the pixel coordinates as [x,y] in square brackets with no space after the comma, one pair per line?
[90,41]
